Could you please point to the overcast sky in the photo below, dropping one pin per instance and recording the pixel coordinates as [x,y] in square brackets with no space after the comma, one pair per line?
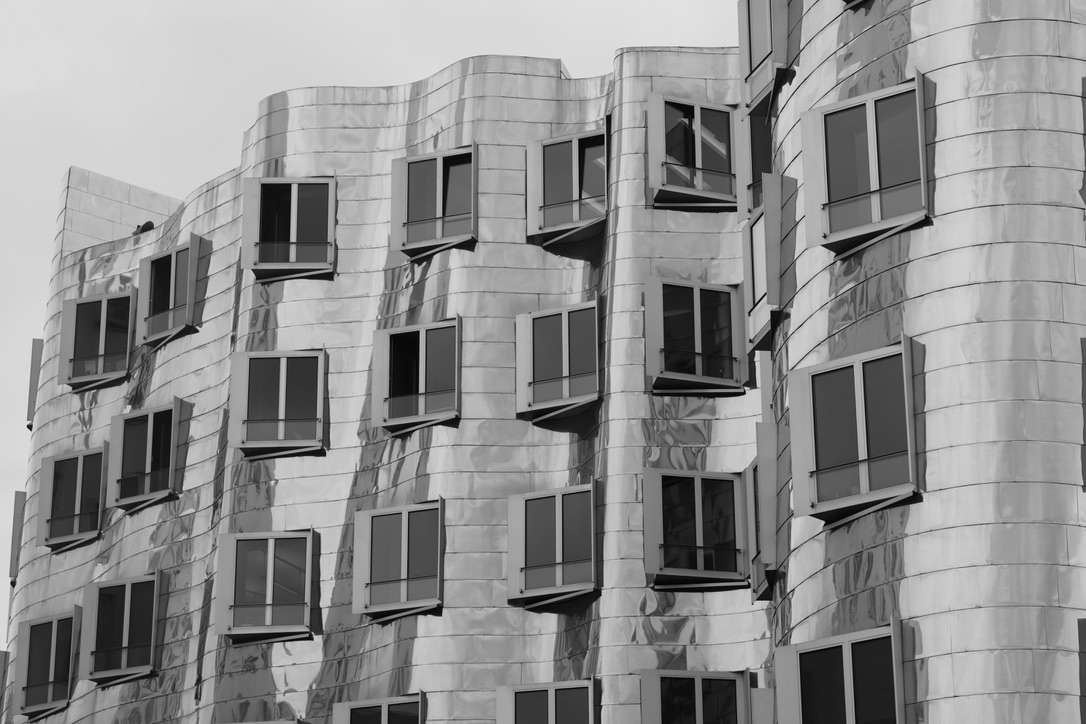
[158,93]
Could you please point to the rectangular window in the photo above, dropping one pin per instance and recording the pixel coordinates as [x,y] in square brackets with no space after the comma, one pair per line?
[168,281]
[144,455]
[417,376]
[761,265]
[96,339]
[289,228]
[70,511]
[690,155]
[398,710]
[399,560]
[571,702]
[280,399]
[551,545]
[557,360]
[763,37]
[120,635]
[694,697]
[46,670]
[760,482]
[567,188]
[434,201]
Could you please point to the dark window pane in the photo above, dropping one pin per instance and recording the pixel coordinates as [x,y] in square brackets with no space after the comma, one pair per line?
[718,525]
[423,553]
[848,168]
[716,155]
[593,171]
[898,139]
[679,342]
[530,707]
[761,152]
[582,352]
[88,337]
[288,582]
[274,223]
[678,145]
[160,299]
[757,252]
[822,686]
[718,701]
[366,715]
[577,537]
[886,421]
[540,554]
[547,349]
[386,557]
[263,399]
[406,713]
[90,493]
[834,399]
[761,40]
[161,448]
[115,353]
[134,453]
[62,659]
[62,519]
[251,582]
[456,201]
[571,705]
[38,673]
[680,522]
[313,214]
[301,399]
[403,374]
[181,279]
[109,629]
[678,703]
[421,200]
[873,681]
[716,334]
[440,369]
[558,183]
[141,624]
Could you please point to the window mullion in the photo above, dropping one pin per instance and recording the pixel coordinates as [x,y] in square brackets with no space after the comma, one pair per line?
[405,554]
[173,289]
[100,362]
[861,426]
[873,162]
[269,587]
[439,190]
[127,624]
[293,223]
[77,505]
[699,706]
[698,361]
[575,171]
[53,636]
[699,526]
[281,403]
[552,704]
[850,694]
[565,354]
[560,555]
[422,371]
[698,181]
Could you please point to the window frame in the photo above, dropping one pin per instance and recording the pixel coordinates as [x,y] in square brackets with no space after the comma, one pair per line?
[570,231]
[46,481]
[804,491]
[651,698]
[662,578]
[680,383]
[90,631]
[184,318]
[23,659]
[341,711]
[760,77]
[760,480]
[67,341]
[135,503]
[536,597]
[664,195]
[227,573]
[846,241]
[763,313]
[384,612]
[239,402]
[265,271]
[506,709]
[381,368]
[417,250]
[786,668]
[525,348]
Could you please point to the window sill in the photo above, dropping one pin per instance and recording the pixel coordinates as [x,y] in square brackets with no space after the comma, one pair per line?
[540,597]
[677,383]
[280,271]
[683,198]
[416,250]
[386,612]
[280,448]
[38,711]
[268,634]
[571,233]
[95,381]
[59,544]
[404,425]
[849,241]
[559,408]
[681,579]
[136,503]
[838,512]
[120,676]
[158,339]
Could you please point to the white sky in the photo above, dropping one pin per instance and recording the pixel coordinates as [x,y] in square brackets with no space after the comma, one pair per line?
[158,93]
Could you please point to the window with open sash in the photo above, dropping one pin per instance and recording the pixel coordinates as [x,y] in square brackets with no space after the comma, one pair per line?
[868,175]
[72,494]
[166,304]
[695,338]
[279,402]
[567,702]
[144,455]
[695,529]
[120,630]
[46,662]
[396,710]
[567,188]
[416,375]
[852,434]
[434,201]
[96,337]
[551,545]
[266,586]
[399,560]
[289,228]
[694,697]
[763,37]
[557,361]
[690,152]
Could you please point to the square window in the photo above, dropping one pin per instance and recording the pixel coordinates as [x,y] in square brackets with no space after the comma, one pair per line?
[551,545]
[434,201]
[416,376]
[144,461]
[399,560]
[266,586]
[121,629]
[396,710]
[852,679]
[557,361]
[278,403]
[166,306]
[853,447]
[694,697]
[569,702]
[695,338]
[289,227]
[695,530]
[567,188]
[72,498]
[96,340]
[46,672]
[763,31]
[690,155]
[869,178]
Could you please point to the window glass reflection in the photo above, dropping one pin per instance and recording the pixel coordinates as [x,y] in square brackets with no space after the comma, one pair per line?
[836,441]
[540,554]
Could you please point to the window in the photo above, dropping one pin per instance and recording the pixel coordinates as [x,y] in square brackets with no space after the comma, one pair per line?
[144,460]
[289,227]
[266,586]
[120,630]
[168,281]
[434,201]
[71,503]
[694,338]
[764,39]
[278,401]
[693,697]
[762,263]
[397,710]
[755,156]
[399,560]
[868,177]
[551,545]
[690,155]
[567,188]
[36,346]
[694,527]
[46,671]
[852,434]
[760,480]
[557,361]
[571,702]
[416,378]
[850,679]
[95,340]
